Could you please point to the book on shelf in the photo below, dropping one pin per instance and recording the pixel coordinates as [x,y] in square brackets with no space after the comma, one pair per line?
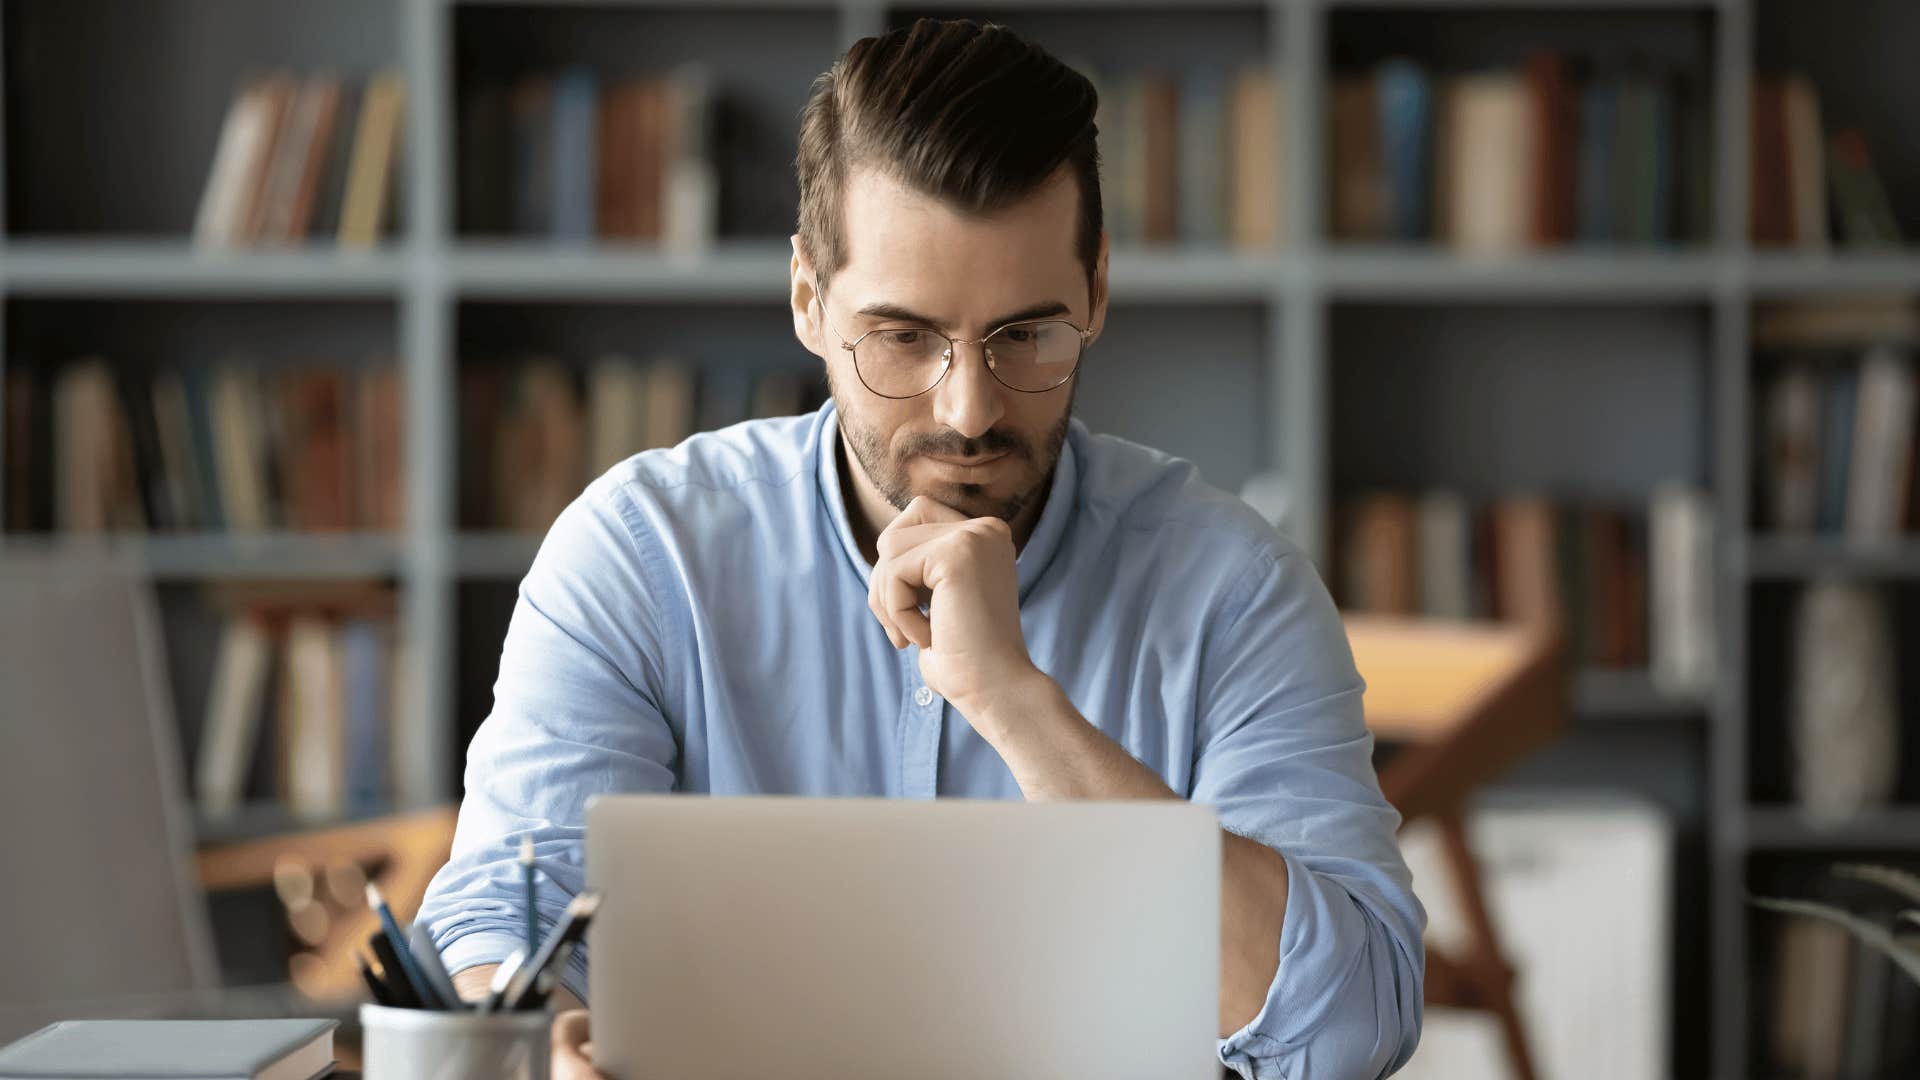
[304,709]
[1843,701]
[1865,212]
[1485,150]
[1806,169]
[1514,159]
[1683,658]
[538,450]
[1358,185]
[1854,321]
[1591,571]
[366,207]
[1445,568]
[1193,158]
[1160,151]
[1791,450]
[1379,555]
[536,432]
[1810,185]
[1257,185]
[1883,445]
[1555,116]
[1833,1005]
[312,717]
[573,141]
[1527,583]
[95,488]
[199,448]
[1204,194]
[291,162]
[576,158]
[1840,444]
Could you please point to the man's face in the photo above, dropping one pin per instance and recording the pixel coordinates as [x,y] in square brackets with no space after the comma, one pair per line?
[911,260]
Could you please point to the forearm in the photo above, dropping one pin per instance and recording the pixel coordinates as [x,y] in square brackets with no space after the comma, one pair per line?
[1055,754]
[474,982]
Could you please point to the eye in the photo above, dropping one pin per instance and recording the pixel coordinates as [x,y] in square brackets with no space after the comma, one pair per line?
[1019,335]
[903,338]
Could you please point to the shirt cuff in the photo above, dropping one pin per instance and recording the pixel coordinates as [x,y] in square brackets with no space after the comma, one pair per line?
[490,946]
[1323,942]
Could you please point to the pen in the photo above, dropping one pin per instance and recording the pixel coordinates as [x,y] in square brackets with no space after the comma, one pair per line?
[375,988]
[526,877]
[550,978]
[402,955]
[573,926]
[398,988]
[497,986]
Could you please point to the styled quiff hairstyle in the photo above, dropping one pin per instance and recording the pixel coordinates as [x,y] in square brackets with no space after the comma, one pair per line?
[971,114]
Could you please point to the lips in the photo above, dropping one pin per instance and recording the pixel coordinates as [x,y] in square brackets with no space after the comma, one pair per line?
[966,463]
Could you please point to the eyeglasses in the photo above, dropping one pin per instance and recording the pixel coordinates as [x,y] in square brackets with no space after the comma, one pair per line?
[906,361]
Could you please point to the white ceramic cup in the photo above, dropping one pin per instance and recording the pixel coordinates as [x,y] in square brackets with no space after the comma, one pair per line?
[425,1044]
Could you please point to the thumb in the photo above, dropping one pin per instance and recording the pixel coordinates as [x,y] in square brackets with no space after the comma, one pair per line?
[570,1046]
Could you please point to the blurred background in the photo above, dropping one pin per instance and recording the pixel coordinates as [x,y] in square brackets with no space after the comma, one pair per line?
[1594,314]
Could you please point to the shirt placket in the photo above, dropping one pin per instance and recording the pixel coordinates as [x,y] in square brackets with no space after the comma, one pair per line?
[921,713]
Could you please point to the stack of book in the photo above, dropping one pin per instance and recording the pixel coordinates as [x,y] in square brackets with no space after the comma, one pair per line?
[1811,186]
[303,708]
[576,159]
[1838,418]
[93,447]
[536,433]
[1502,161]
[1193,159]
[304,157]
[1630,588]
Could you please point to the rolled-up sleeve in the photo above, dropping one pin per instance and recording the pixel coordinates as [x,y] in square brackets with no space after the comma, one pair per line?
[576,713]
[1284,757]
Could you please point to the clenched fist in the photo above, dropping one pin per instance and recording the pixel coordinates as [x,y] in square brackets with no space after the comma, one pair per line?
[946,582]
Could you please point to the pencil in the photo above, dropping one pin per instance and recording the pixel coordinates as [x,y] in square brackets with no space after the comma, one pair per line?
[571,928]
[410,971]
[526,875]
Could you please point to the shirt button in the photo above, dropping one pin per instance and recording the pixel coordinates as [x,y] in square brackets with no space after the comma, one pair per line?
[923,697]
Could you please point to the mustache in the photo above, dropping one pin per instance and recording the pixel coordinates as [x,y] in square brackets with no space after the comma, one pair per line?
[954,444]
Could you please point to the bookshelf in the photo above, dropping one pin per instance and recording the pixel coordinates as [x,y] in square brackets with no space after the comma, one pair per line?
[1304,346]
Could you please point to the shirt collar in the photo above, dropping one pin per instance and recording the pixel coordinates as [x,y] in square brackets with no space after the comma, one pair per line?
[1034,557]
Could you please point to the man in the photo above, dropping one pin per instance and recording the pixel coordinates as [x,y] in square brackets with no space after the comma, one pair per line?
[940,584]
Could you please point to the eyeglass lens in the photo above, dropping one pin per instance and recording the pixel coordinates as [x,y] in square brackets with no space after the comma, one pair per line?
[1030,356]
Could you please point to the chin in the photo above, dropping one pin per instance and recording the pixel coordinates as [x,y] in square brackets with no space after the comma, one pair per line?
[974,500]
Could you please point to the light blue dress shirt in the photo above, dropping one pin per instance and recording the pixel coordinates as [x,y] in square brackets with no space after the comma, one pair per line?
[697,621]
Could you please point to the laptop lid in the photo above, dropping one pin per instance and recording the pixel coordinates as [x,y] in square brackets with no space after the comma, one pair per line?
[869,937]
[99,897]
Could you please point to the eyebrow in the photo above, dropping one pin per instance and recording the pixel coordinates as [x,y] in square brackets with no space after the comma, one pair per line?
[902,314]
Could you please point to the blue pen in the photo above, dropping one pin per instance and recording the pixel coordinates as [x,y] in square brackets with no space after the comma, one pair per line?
[429,995]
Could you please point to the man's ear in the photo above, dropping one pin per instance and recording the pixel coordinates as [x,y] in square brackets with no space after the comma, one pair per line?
[1098,320]
[802,297]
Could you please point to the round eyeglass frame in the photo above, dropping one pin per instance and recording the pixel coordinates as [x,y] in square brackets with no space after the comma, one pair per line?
[1085,333]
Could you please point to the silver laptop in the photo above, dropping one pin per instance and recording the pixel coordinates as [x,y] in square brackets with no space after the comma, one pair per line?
[851,938]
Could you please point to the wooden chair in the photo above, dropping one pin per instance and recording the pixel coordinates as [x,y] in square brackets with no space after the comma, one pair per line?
[1461,703]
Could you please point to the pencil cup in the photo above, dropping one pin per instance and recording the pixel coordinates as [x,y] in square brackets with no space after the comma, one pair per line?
[424,1044]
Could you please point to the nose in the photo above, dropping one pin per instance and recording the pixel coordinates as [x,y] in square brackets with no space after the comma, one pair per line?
[968,399]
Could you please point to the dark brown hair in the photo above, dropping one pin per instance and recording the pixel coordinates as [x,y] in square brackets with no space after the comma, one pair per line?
[969,113]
